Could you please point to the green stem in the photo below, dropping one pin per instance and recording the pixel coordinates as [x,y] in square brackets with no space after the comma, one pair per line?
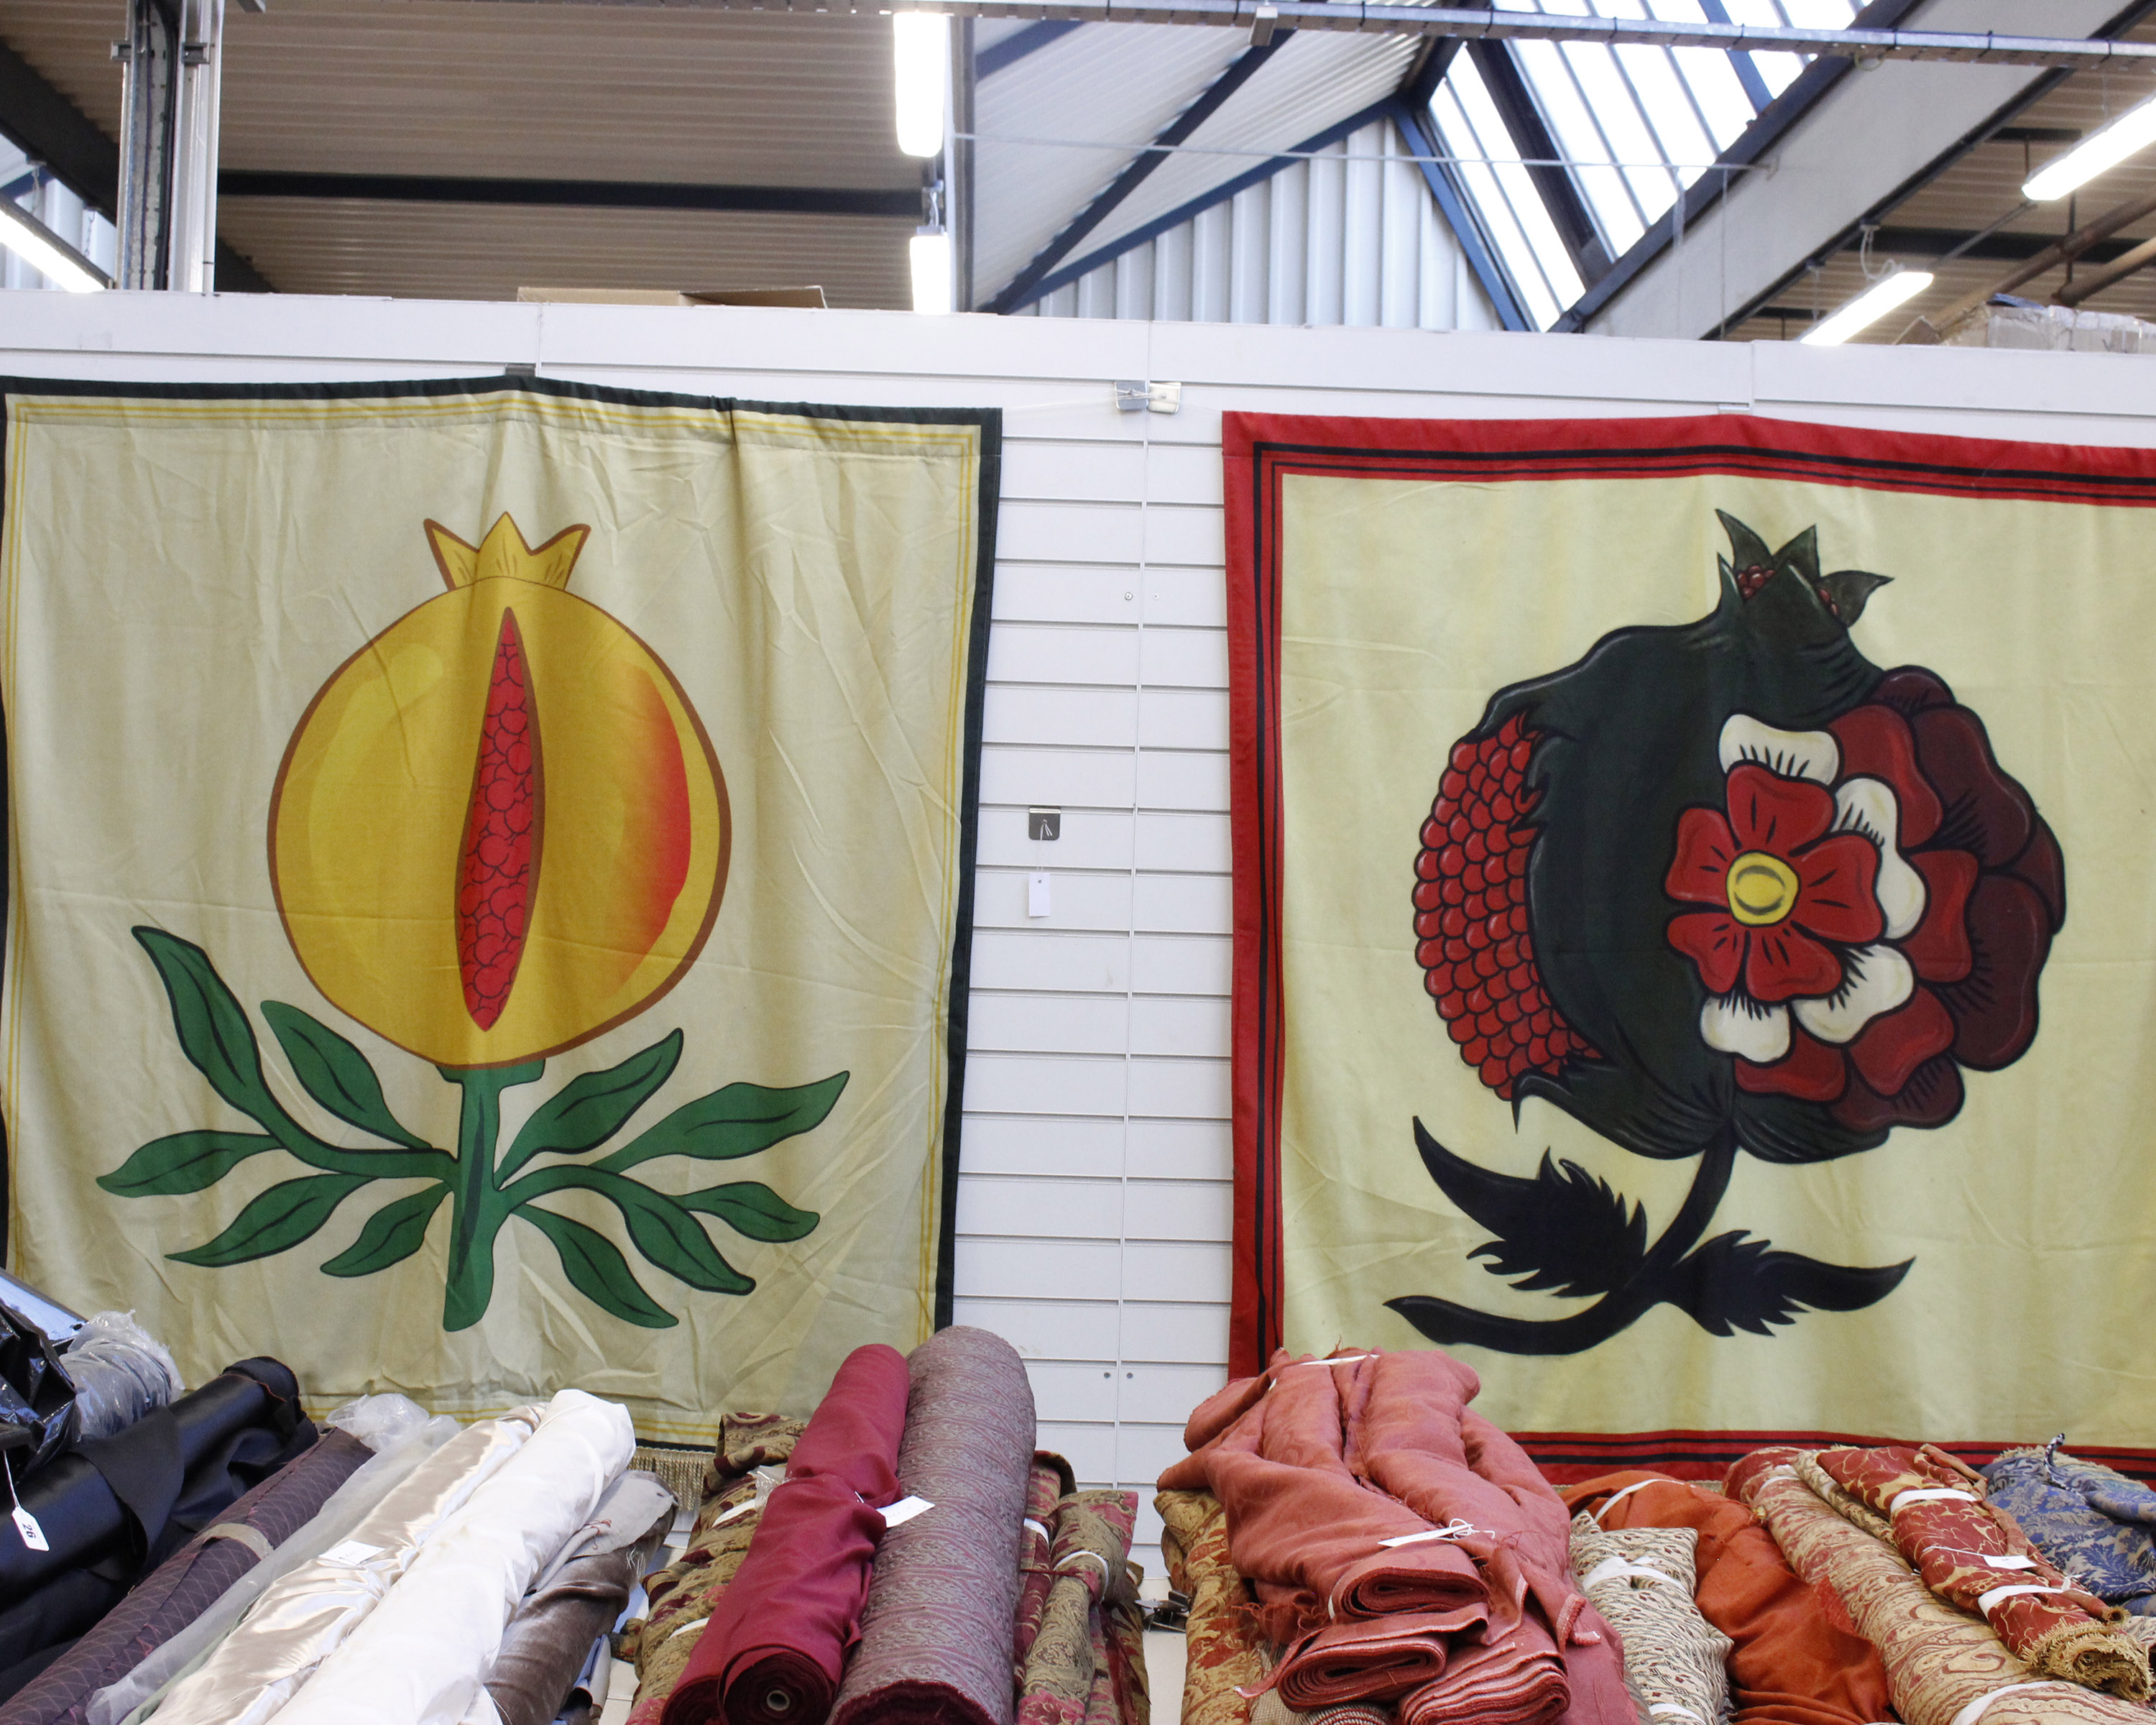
[477,1211]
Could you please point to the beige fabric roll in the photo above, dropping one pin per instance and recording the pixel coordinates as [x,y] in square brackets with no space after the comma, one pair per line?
[303,1618]
[420,1656]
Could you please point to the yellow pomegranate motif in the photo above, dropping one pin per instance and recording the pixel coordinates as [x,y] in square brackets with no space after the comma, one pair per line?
[499,829]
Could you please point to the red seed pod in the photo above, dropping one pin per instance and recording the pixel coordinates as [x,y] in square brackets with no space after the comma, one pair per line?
[1474,1051]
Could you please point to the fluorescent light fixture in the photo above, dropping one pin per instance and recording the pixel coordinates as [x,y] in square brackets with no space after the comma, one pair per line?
[2132,131]
[1896,288]
[921,62]
[45,252]
[929,253]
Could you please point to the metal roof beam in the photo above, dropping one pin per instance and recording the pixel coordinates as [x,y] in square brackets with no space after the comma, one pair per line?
[584,194]
[1018,44]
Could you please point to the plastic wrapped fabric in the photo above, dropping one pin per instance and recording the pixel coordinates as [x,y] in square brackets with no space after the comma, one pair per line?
[121,1371]
[188,1582]
[114,1509]
[418,1658]
[938,1629]
[38,1417]
[402,1449]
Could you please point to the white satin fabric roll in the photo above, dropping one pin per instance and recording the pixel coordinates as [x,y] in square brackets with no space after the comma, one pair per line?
[421,1655]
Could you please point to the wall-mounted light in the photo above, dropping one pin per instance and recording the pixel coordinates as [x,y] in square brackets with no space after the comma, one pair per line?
[45,252]
[2132,131]
[929,253]
[920,65]
[1897,287]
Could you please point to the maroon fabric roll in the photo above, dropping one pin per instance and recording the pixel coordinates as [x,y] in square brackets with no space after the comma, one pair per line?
[777,1639]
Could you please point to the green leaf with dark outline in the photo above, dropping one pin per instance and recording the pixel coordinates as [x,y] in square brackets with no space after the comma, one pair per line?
[597,1271]
[751,1208]
[213,1028]
[185,1162]
[276,1221]
[738,1121]
[666,1233]
[588,1111]
[336,1074]
[392,1235]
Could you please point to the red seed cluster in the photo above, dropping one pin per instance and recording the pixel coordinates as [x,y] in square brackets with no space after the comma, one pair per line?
[1471,901]
[494,884]
[1750,580]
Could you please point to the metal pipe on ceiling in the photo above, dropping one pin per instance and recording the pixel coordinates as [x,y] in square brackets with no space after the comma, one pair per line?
[1936,325]
[2118,269]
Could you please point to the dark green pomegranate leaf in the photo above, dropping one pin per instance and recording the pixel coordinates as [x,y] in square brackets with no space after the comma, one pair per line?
[392,1235]
[336,1074]
[1564,1230]
[738,1121]
[751,1208]
[597,1271]
[212,1026]
[588,1111]
[185,1162]
[1734,1282]
[276,1221]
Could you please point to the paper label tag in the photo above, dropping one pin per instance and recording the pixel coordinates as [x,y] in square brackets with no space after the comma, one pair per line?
[740,1509]
[26,1524]
[896,1515]
[351,1551]
[2011,1562]
[1411,1538]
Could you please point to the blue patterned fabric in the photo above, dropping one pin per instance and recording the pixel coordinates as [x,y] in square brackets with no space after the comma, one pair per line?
[2098,1526]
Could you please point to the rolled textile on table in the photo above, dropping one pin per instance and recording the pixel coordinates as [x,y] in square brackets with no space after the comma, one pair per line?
[1972,1554]
[1790,1664]
[1048,1483]
[2097,1525]
[937,1632]
[1642,1579]
[419,1657]
[311,1612]
[188,1582]
[1944,1666]
[678,1599]
[1071,1677]
[777,1637]
[114,1508]
[1223,1653]
[547,1644]
[1374,1658]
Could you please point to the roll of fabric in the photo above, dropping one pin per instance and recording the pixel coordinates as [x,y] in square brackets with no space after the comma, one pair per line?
[1791,1664]
[1047,1485]
[420,1654]
[2097,1525]
[1222,1651]
[937,1632]
[547,1644]
[777,1637]
[680,1598]
[310,1612]
[120,1370]
[1069,1677]
[1374,1658]
[1944,1666]
[114,1509]
[188,1582]
[1642,1580]
[1972,1554]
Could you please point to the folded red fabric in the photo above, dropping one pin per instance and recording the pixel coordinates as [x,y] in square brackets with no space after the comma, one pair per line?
[1374,1658]
[777,1640]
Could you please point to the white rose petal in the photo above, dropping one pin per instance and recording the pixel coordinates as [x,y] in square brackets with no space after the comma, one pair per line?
[1875,979]
[1867,806]
[1794,754]
[1738,1025]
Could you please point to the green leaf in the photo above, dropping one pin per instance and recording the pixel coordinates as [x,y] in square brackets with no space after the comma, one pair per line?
[392,1235]
[588,1111]
[666,1233]
[753,1208]
[336,1074]
[214,1031]
[738,1121]
[276,1221]
[597,1271]
[185,1162]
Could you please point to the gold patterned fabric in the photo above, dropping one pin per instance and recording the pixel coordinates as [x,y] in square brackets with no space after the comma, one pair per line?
[1642,1579]
[1222,1653]
[1069,1676]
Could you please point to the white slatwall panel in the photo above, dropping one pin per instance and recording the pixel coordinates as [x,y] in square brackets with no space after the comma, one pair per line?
[1350,237]
[1094,1220]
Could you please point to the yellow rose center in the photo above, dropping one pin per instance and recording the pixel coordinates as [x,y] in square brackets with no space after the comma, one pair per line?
[1763,889]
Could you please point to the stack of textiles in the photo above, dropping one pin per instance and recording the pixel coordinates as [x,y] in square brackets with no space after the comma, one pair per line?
[1401,1550]
[2098,1526]
[1080,1644]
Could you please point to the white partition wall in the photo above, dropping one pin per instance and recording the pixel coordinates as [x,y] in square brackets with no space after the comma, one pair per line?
[1094,1209]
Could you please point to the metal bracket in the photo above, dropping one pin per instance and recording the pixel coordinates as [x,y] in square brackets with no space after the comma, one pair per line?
[1263,23]
[1134,396]
[1044,823]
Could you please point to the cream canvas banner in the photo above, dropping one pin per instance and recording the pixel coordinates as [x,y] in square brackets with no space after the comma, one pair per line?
[1655,977]
[489,877]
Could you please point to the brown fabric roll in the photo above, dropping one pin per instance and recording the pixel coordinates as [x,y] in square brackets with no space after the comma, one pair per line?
[1222,1653]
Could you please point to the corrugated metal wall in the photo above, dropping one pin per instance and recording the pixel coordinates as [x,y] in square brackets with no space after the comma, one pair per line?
[1350,237]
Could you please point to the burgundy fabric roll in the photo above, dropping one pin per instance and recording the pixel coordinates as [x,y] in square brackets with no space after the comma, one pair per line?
[777,1639]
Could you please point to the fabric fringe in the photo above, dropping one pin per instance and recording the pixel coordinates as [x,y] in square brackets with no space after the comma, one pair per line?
[680,1468]
[2096,1657]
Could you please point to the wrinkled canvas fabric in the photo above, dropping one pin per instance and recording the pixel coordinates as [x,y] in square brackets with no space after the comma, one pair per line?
[2095,1524]
[575,781]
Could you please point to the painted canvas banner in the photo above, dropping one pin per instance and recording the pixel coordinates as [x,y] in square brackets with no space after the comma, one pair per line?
[1695,946]
[488,878]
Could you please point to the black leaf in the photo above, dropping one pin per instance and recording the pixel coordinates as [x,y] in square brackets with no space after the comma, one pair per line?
[1734,1282]
[1564,1230]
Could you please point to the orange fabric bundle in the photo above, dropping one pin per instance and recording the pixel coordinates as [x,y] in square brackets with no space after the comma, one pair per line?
[1792,1664]
[1975,1556]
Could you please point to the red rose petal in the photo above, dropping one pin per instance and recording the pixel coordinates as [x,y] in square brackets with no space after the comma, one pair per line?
[1938,949]
[1838,896]
[1876,743]
[2044,869]
[1889,1048]
[1995,1006]
[1714,942]
[1773,813]
[1912,689]
[1784,961]
[1812,1071]
[1700,870]
[1932,1097]
[1992,816]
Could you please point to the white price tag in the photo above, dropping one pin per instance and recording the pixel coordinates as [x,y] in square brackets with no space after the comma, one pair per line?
[26,1524]
[905,1510]
[351,1551]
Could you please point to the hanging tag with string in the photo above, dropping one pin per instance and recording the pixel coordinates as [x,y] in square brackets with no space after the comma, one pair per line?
[26,1524]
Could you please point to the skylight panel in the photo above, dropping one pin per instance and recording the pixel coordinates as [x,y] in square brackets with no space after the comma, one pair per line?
[1616,212]
[1715,86]
[1504,195]
[1679,132]
[1611,96]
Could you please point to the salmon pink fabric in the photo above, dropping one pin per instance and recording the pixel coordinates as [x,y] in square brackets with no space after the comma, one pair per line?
[778,1636]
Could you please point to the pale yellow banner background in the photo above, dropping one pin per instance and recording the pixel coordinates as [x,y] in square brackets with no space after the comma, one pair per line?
[180,577]
[2031,1216]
